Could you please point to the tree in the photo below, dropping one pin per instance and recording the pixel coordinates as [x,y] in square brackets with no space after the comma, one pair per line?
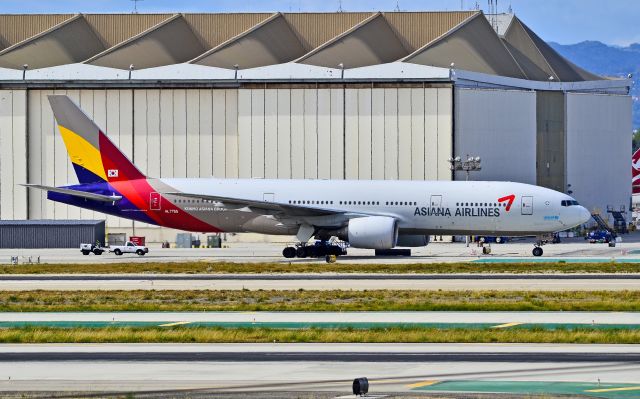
[636,140]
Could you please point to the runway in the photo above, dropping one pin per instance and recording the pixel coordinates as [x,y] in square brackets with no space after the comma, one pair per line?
[503,282]
[571,250]
[305,367]
[296,320]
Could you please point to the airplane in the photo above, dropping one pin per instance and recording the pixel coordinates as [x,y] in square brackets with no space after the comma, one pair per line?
[358,213]
[635,179]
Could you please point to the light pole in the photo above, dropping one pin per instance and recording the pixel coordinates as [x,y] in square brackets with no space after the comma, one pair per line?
[471,164]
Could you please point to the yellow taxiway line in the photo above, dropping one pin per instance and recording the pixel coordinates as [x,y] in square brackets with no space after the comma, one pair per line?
[423,384]
[177,323]
[506,325]
[636,388]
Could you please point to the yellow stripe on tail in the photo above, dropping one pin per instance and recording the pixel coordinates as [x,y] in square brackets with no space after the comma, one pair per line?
[82,153]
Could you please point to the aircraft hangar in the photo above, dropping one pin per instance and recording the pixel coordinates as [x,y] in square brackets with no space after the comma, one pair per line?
[348,95]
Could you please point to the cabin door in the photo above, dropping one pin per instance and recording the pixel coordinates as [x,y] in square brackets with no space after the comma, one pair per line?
[527,205]
[436,201]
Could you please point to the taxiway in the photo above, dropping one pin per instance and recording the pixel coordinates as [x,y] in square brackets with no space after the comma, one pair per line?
[303,367]
[504,282]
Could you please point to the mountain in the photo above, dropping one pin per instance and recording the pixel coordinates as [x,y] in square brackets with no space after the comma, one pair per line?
[607,60]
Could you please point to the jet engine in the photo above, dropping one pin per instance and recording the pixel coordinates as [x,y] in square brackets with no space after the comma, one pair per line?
[412,240]
[372,232]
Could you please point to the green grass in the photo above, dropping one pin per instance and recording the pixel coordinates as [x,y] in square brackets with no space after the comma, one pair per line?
[321,267]
[257,335]
[301,300]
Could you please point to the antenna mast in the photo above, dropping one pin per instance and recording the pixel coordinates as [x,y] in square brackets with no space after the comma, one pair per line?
[135,5]
[493,13]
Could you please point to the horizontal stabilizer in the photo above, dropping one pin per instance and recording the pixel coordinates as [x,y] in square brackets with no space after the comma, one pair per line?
[76,193]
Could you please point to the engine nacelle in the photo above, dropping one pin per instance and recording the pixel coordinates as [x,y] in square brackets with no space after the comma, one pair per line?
[373,232]
[412,240]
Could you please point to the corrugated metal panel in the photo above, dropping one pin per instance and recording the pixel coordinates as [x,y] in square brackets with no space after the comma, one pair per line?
[315,29]
[50,234]
[13,154]
[372,42]
[497,139]
[526,53]
[116,28]
[598,129]
[121,35]
[551,140]
[171,42]
[473,46]
[273,42]
[71,42]
[214,29]
[565,71]
[16,28]
[416,29]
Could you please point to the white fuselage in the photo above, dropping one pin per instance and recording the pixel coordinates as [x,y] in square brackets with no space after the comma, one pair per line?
[421,207]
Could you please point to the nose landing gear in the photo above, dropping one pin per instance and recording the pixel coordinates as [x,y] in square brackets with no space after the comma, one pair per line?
[537,251]
[540,241]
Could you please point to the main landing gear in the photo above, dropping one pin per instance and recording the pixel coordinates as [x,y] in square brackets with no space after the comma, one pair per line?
[329,250]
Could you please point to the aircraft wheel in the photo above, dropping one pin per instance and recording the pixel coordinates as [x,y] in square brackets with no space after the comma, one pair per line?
[537,251]
[289,252]
[301,252]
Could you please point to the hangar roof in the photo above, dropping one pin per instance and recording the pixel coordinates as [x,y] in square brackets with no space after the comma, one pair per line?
[504,47]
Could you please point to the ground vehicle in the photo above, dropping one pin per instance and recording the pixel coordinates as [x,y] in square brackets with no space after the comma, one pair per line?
[490,239]
[129,248]
[318,249]
[86,249]
[600,236]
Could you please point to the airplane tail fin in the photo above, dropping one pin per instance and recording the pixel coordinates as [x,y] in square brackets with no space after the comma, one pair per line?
[94,157]
[635,172]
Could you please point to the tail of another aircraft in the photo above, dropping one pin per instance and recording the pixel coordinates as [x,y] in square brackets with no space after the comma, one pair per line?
[94,157]
[635,172]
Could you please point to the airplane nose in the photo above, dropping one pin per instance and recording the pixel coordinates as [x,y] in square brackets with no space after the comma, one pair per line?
[585,215]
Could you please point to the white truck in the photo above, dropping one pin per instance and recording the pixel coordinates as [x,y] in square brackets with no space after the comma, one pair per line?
[129,248]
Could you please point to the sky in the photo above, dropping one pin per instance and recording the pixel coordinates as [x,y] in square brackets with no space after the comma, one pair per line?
[564,21]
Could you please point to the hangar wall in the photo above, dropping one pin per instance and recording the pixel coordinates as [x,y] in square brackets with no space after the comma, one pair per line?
[500,127]
[313,132]
[13,154]
[598,129]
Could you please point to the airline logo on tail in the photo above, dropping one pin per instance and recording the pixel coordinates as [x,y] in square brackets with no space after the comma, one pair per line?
[635,172]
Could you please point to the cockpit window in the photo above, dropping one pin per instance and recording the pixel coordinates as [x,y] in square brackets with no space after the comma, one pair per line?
[569,202]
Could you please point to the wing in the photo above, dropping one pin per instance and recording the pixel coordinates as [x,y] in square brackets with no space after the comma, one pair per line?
[274,208]
[76,193]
